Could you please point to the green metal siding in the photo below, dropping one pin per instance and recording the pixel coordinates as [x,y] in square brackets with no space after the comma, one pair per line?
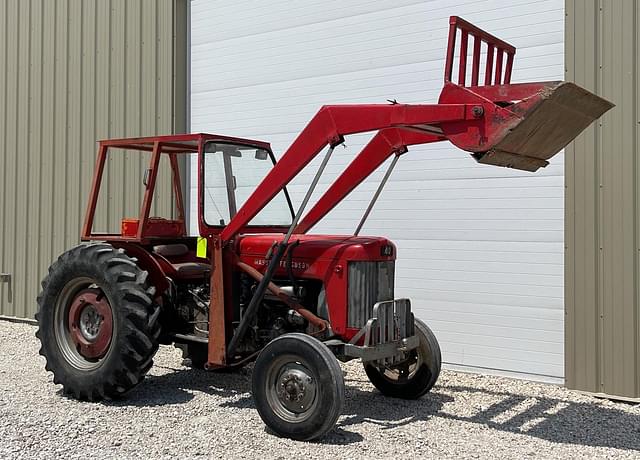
[602,212]
[74,72]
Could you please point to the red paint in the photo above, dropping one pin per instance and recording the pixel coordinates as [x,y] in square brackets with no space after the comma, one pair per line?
[480,134]
[94,300]
[148,261]
[143,229]
[334,122]
[473,118]
[494,45]
[385,143]
[156,227]
[319,257]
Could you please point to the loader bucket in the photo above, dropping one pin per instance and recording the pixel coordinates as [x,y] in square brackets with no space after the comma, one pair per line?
[547,122]
[523,124]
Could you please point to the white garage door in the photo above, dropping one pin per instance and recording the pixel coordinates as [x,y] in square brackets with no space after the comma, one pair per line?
[480,248]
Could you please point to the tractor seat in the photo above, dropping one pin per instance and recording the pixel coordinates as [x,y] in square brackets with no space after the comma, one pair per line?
[171,250]
[182,270]
[191,269]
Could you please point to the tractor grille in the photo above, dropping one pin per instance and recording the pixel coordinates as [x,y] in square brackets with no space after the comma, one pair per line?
[369,282]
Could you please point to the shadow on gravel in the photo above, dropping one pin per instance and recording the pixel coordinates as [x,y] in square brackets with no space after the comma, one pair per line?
[372,407]
[554,420]
[178,387]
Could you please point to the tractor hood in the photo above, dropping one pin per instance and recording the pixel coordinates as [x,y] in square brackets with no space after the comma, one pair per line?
[321,247]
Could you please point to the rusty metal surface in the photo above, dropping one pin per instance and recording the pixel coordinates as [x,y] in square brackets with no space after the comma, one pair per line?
[561,114]
[92,336]
[319,323]
[217,318]
[541,119]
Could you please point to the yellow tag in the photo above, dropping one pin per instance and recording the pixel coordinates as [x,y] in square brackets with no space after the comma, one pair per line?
[201,251]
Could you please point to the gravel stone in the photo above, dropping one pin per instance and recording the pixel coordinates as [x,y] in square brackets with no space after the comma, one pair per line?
[182,413]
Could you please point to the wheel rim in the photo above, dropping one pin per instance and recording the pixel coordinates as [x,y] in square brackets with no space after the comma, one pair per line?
[291,389]
[407,369]
[84,324]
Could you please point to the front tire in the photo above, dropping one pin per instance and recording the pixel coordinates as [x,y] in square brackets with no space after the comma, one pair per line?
[415,376]
[298,387]
[97,322]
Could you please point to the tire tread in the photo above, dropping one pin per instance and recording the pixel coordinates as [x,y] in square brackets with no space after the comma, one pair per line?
[138,323]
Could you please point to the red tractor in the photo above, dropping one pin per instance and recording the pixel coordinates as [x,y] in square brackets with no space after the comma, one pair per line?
[266,290]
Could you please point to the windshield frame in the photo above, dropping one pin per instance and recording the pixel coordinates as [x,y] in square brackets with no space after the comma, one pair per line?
[229,181]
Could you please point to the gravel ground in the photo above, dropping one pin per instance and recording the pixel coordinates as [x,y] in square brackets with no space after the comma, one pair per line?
[182,413]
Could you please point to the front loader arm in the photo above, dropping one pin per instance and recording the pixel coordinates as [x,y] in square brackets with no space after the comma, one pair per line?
[385,143]
[518,126]
[328,127]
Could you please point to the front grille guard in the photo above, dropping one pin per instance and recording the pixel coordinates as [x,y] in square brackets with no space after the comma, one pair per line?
[392,321]
[388,335]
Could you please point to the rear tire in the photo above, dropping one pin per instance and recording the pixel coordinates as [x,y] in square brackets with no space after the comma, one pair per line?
[298,387]
[416,376]
[97,322]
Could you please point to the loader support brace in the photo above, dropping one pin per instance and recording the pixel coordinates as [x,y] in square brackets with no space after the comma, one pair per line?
[377,194]
[385,143]
[329,126]
[274,263]
[256,300]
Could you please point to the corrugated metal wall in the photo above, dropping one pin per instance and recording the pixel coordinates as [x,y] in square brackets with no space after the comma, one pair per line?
[73,72]
[602,202]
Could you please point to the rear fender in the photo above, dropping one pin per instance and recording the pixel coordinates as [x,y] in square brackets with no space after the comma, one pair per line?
[147,262]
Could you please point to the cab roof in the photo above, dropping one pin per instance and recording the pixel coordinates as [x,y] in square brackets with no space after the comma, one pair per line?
[176,143]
